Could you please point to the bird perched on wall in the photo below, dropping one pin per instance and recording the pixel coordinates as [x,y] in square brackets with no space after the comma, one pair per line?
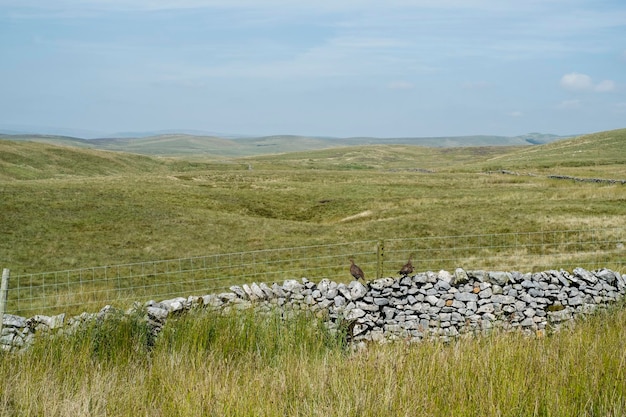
[356,272]
[407,268]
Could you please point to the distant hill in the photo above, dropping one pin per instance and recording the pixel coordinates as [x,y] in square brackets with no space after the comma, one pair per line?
[50,139]
[188,145]
[192,132]
[602,148]
[51,131]
[31,160]
[45,156]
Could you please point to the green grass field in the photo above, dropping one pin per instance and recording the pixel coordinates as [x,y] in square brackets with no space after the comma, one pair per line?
[65,207]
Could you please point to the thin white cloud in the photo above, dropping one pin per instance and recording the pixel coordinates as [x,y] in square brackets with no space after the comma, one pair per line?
[569,104]
[401,85]
[341,56]
[575,81]
[60,9]
[523,30]
[439,47]
[605,86]
[475,85]
[144,5]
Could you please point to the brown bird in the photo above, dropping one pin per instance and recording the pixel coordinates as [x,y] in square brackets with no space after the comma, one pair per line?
[356,272]
[406,269]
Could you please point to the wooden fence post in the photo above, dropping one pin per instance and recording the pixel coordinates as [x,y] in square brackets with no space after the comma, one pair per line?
[380,257]
[4,287]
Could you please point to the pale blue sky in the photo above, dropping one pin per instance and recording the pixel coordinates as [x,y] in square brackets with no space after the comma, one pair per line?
[330,68]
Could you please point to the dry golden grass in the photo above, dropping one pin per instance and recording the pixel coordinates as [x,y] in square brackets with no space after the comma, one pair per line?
[234,366]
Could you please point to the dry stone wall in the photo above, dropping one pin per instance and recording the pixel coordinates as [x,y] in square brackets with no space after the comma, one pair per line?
[424,306]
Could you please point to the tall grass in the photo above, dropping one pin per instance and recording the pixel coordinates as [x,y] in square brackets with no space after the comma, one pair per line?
[244,364]
[250,336]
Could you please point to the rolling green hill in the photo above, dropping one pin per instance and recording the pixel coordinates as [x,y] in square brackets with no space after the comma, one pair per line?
[115,207]
[49,139]
[381,157]
[173,145]
[598,153]
[32,157]
[30,160]
[198,146]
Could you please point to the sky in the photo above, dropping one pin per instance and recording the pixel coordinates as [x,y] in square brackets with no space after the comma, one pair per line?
[341,68]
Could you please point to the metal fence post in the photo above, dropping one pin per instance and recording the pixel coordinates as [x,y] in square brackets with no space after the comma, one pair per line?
[4,287]
[380,257]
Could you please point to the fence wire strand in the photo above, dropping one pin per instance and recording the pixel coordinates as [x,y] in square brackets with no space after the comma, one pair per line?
[89,289]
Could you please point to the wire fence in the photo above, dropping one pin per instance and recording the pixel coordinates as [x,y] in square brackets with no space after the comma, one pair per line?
[89,289]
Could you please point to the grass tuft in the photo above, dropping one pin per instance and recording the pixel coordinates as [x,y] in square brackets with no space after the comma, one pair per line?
[249,336]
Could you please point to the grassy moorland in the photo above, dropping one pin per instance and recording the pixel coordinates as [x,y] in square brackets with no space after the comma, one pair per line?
[199,146]
[63,207]
[67,207]
[242,365]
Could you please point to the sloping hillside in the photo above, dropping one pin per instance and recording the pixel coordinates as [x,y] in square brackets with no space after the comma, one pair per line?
[172,145]
[152,208]
[604,149]
[49,139]
[192,145]
[203,146]
[30,160]
[42,158]
[398,157]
